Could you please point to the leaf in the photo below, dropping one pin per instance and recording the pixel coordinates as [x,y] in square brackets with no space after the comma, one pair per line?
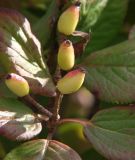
[112,133]
[35,150]
[5,92]
[17,121]
[132,33]
[2,151]
[107,26]
[90,13]
[111,73]
[20,52]
[45,26]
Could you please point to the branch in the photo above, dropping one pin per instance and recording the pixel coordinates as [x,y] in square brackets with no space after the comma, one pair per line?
[57,103]
[37,106]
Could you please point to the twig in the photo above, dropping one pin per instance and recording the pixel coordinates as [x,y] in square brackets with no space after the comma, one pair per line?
[58,98]
[52,124]
[36,105]
[57,103]
[73,120]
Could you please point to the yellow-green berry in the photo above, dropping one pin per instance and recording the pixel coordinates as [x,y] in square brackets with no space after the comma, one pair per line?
[71,82]
[66,56]
[68,20]
[17,84]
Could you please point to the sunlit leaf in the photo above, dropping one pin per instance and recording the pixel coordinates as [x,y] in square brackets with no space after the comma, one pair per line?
[17,121]
[90,13]
[107,25]
[20,52]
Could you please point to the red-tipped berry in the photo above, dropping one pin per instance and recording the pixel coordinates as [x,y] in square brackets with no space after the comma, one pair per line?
[66,57]
[17,84]
[71,82]
[69,19]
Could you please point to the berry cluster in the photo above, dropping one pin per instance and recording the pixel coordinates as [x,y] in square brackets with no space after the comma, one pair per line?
[67,23]
[73,80]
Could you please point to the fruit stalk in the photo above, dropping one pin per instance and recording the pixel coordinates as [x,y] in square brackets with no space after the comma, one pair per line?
[38,107]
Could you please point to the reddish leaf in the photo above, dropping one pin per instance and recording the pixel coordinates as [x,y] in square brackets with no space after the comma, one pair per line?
[17,122]
[39,150]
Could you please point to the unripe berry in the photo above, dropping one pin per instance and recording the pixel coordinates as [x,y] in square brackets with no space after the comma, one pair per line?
[66,57]
[69,19]
[71,82]
[17,84]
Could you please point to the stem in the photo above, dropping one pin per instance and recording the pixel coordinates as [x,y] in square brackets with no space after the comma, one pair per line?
[37,106]
[53,122]
[72,120]
[58,98]
[56,105]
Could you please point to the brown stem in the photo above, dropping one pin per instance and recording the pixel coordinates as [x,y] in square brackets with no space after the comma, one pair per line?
[58,98]
[56,104]
[72,120]
[37,106]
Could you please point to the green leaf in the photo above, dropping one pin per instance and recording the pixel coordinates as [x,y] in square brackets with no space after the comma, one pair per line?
[2,151]
[112,133]
[36,150]
[20,52]
[5,92]
[90,13]
[17,121]
[132,33]
[92,154]
[111,73]
[107,26]
[45,26]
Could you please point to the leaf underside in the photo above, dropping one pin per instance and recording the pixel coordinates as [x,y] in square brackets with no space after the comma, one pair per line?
[17,122]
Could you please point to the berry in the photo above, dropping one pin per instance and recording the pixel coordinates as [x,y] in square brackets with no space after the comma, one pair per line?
[17,84]
[66,57]
[69,19]
[71,82]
